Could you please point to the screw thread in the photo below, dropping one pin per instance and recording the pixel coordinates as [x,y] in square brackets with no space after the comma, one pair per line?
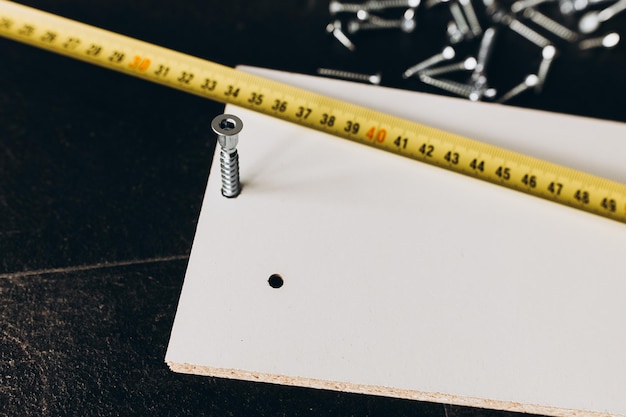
[462,90]
[528,33]
[229,164]
[460,66]
[551,25]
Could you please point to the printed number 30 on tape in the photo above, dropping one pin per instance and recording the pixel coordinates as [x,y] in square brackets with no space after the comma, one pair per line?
[173,69]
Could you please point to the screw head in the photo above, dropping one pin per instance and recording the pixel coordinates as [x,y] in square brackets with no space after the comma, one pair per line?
[227,127]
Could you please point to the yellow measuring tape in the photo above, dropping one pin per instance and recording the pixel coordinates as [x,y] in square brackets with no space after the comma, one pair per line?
[216,82]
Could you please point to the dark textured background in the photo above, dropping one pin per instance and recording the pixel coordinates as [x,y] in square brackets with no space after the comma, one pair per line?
[101,182]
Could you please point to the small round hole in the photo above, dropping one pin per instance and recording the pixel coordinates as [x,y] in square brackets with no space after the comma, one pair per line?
[275,281]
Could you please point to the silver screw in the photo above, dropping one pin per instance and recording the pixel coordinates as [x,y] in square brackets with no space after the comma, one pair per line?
[227,128]
[335,29]
[520,5]
[472,19]
[524,31]
[484,53]
[530,81]
[337,7]
[467,65]
[550,25]
[606,41]
[459,89]
[373,79]
[365,21]
[568,7]
[548,53]
[459,19]
[445,55]
[592,20]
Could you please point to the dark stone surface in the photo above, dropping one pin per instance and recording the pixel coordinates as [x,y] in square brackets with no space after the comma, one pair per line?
[98,170]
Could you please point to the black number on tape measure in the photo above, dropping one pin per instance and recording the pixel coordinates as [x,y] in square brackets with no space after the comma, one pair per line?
[477,165]
[231,91]
[162,71]
[555,188]
[401,142]
[26,30]
[529,180]
[452,157]
[94,50]
[609,204]
[327,120]
[303,112]
[71,43]
[256,99]
[351,127]
[582,196]
[279,105]
[117,57]
[5,23]
[209,85]
[427,150]
[48,37]
[504,173]
[185,77]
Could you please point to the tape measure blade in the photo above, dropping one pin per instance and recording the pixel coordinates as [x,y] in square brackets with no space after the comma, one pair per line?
[194,75]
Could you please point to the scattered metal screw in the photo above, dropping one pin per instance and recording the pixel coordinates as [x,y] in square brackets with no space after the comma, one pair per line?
[592,20]
[550,25]
[459,19]
[467,65]
[459,89]
[520,5]
[530,81]
[335,29]
[373,79]
[227,128]
[337,7]
[606,41]
[479,76]
[568,7]
[445,55]
[365,21]
[472,19]
[484,53]
[524,31]
[548,53]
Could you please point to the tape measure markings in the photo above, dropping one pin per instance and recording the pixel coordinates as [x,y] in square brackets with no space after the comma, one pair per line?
[216,82]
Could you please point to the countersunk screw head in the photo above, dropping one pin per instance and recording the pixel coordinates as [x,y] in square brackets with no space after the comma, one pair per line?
[227,127]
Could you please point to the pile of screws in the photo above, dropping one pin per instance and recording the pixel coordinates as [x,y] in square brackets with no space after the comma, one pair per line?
[550,26]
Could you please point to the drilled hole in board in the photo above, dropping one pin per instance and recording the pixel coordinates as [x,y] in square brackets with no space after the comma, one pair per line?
[275,281]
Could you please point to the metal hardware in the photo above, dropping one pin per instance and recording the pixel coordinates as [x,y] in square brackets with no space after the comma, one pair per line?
[227,128]
[372,79]
[472,19]
[550,25]
[592,20]
[335,29]
[459,89]
[467,65]
[607,41]
[525,32]
[548,53]
[337,7]
[530,81]
[445,55]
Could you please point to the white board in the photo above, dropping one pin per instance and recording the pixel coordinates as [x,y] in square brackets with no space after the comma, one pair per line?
[406,280]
